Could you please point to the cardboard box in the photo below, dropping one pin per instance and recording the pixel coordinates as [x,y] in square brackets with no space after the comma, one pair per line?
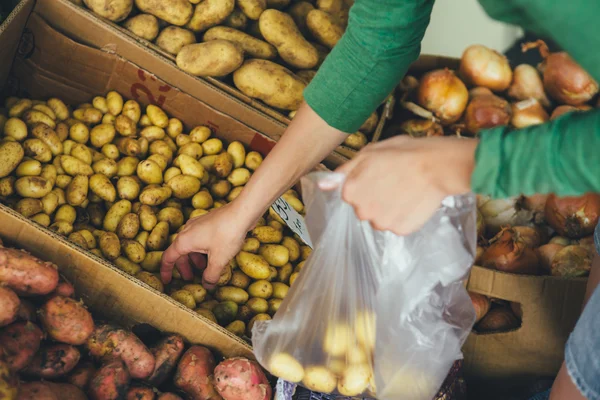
[551,307]
[11,28]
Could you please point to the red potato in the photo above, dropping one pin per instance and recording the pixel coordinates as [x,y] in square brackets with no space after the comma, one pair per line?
[53,361]
[10,306]
[110,382]
[166,353]
[64,289]
[140,393]
[27,311]
[26,274]
[111,341]
[19,342]
[241,379]
[82,375]
[66,320]
[9,384]
[194,374]
[50,391]
[169,396]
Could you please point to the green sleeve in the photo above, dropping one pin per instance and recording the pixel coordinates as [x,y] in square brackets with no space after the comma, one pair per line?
[561,157]
[380,43]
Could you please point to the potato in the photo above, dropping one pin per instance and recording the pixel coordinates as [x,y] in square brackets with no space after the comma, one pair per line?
[82,375]
[276,255]
[78,239]
[20,342]
[354,380]
[189,166]
[111,381]
[210,13]
[15,128]
[172,39]
[157,240]
[251,245]
[298,11]
[66,320]
[88,115]
[173,216]
[115,214]
[100,103]
[324,28]
[184,297]
[152,261]
[133,250]
[279,29]
[129,146]
[200,134]
[151,280]
[206,314]
[237,151]
[77,190]
[253,47]
[59,108]
[225,312]
[33,187]
[370,124]
[209,305]
[132,110]
[274,305]
[215,58]
[194,373]
[34,148]
[198,292]
[10,306]
[11,154]
[102,187]
[49,137]
[111,10]
[338,338]
[143,25]
[106,167]
[35,117]
[239,279]
[139,392]
[7,186]
[19,107]
[157,116]
[356,140]
[149,172]
[99,136]
[129,226]
[175,12]
[166,353]
[223,166]
[127,166]
[82,153]
[74,166]
[114,101]
[184,186]
[109,245]
[125,126]
[239,177]
[53,361]
[258,305]
[261,289]
[66,213]
[42,219]
[29,207]
[253,265]
[162,147]
[319,379]
[155,195]
[286,367]
[236,20]
[258,317]
[267,234]
[231,293]
[202,200]
[280,290]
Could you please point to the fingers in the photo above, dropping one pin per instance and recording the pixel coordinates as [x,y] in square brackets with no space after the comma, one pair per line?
[184,267]
[211,275]
[169,257]
[198,260]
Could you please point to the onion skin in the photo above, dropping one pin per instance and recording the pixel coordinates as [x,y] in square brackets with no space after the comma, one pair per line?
[498,319]
[546,254]
[571,262]
[564,79]
[478,91]
[563,241]
[486,111]
[536,204]
[532,237]
[510,253]
[588,243]
[481,66]
[573,217]
[421,128]
[481,304]
[499,213]
[527,84]
[565,109]
[516,309]
[442,93]
[528,113]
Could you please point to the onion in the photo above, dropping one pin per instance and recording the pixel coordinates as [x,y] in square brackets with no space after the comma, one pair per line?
[588,243]
[527,113]
[480,224]
[532,237]
[516,309]
[478,91]
[408,84]
[499,213]
[573,217]
[527,84]
[481,303]
[565,109]
[498,319]
[510,253]
[571,261]
[445,95]
[421,128]
[546,254]
[564,79]
[563,241]
[481,66]
[486,111]
[478,253]
[536,204]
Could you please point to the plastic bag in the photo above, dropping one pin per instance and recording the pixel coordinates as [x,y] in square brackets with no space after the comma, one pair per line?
[372,313]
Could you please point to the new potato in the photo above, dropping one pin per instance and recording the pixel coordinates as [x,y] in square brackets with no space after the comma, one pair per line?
[324,28]
[102,187]
[115,213]
[214,58]
[252,46]
[114,10]
[210,13]
[172,39]
[175,12]
[143,25]
[77,190]
[133,250]
[34,148]
[253,265]
[275,254]
[184,186]
[231,293]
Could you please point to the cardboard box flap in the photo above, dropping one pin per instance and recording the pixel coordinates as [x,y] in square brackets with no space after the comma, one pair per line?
[10,32]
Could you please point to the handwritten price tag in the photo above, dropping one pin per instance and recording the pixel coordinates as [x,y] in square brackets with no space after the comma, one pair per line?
[292,219]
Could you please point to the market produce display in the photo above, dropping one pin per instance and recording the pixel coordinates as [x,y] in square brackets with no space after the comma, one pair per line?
[268,50]
[61,352]
[495,315]
[485,92]
[121,181]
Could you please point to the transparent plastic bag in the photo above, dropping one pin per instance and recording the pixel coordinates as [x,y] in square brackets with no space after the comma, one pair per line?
[372,313]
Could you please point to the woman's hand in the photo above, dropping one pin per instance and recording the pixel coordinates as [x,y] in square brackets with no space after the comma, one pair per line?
[397,184]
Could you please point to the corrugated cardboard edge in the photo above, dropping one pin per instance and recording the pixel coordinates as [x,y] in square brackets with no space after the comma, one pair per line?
[11,29]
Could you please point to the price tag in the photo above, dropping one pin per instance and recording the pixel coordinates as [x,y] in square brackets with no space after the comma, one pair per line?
[292,219]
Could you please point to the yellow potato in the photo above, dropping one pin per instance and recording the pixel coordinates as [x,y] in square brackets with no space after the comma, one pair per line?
[237,151]
[151,280]
[220,189]
[275,254]
[35,117]
[192,149]
[59,108]
[274,305]
[175,12]
[235,192]
[155,195]
[19,107]
[115,103]
[330,6]
[7,186]
[153,133]
[101,135]
[42,219]
[77,190]
[214,58]
[324,28]
[365,328]
[258,317]
[239,279]
[88,115]
[298,11]
[267,234]
[236,20]
[16,128]
[173,216]
[261,289]
[231,293]
[237,328]
[202,200]
[110,245]
[251,46]
[34,148]
[82,153]
[132,110]
[133,250]
[189,166]
[253,265]
[161,147]
[293,247]
[354,380]
[29,207]
[115,214]
[175,128]
[319,379]
[100,103]
[50,203]
[62,228]
[284,273]
[78,239]
[127,266]
[210,13]
[129,146]
[197,291]
[197,213]
[157,240]
[143,25]
[74,166]
[208,162]
[29,168]
[128,226]
[128,188]
[258,305]
[145,120]
[172,39]
[200,134]
[109,119]
[251,245]
[286,367]
[280,290]
[112,10]
[356,355]
[253,160]
[239,177]
[223,165]
[182,139]
[206,314]
[62,130]
[279,29]
[338,337]
[184,297]
[127,166]
[252,8]
[106,167]
[157,116]
[270,82]
[80,133]
[356,140]
[102,187]
[66,213]
[305,252]
[125,126]
[370,124]
[184,186]
[152,261]
[160,160]
[149,172]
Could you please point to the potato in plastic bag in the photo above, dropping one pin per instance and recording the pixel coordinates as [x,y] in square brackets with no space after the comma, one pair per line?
[372,313]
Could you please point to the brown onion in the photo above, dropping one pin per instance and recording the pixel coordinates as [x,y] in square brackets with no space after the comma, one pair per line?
[516,309]
[571,261]
[478,91]
[562,110]
[498,319]
[563,241]
[499,213]
[478,254]
[510,253]
[445,95]
[481,66]
[486,111]
[573,217]
[528,113]
[532,237]
[546,254]
[588,243]
[564,79]
[421,128]
[527,84]
[535,203]
[481,304]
